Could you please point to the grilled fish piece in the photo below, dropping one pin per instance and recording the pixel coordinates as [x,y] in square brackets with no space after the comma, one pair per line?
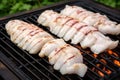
[97,20]
[51,46]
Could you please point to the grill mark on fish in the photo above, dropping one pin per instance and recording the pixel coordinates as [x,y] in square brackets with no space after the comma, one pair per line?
[78,11]
[74,23]
[69,58]
[38,42]
[90,31]
[63,17]
[57,51]
[24,29]
[71,22]
[67,21]
[32,31]
[81,27]
[42,39]
[32,34]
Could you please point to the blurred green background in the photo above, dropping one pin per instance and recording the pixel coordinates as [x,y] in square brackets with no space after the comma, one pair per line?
[13,6]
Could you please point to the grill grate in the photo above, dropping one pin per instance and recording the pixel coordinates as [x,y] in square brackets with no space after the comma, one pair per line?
[29,67]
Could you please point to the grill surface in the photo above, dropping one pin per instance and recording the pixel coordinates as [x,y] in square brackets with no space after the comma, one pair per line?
[32,67]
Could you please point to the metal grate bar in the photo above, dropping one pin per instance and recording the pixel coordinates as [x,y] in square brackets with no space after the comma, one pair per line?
[11,54]
[18,61]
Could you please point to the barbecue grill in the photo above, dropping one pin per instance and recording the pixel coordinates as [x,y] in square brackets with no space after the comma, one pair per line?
[105,66]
